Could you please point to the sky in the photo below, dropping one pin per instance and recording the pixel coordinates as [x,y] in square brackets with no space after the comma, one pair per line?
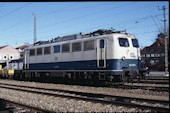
[142,19]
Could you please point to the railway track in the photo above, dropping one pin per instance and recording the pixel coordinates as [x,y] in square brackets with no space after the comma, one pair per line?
[99,98]
[157,77]
[143,86]
[155,81]
[7,106]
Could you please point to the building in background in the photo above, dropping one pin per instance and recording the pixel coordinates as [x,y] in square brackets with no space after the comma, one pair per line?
[21,49]
[153,56]
[7,54]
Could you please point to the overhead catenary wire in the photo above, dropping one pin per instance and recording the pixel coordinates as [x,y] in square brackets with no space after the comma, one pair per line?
[146,32]
[58,10]
[156,24]
[144,19]
[68,20]
[30,40]
[20,34]
[105,24]
[73,19]
[46,14]
[17,24]
[55,35]
[14,10]
[159,23]
[66,9]
[77,17]
[30,17]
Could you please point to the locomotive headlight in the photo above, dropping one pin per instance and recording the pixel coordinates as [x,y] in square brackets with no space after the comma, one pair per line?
[140,58]
[123,58]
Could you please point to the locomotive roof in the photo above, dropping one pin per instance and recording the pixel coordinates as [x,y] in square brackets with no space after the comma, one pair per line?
[80,36]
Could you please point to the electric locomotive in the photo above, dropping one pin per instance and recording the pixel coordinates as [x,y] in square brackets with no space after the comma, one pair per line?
[102,55]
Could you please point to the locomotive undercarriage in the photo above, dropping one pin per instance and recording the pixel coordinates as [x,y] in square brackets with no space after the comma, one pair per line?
[131,75]
[77,77]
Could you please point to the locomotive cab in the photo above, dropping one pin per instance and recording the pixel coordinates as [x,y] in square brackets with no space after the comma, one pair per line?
[127,53]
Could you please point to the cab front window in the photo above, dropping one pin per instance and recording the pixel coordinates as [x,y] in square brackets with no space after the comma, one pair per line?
[123,42]
[135,43]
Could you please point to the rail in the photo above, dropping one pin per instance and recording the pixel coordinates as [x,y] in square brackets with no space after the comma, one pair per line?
[31,108]
[101,98]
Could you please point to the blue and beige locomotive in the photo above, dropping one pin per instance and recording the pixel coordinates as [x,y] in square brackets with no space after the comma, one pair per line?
[102,55]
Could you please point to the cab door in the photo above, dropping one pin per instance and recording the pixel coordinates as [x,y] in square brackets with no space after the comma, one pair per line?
[26,59]
[101,53]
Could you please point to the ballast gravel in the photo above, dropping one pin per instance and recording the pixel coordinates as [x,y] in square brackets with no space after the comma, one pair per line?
[105,90]
[58,104]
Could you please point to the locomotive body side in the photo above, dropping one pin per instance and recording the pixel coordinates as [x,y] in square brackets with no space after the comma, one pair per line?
[102,57]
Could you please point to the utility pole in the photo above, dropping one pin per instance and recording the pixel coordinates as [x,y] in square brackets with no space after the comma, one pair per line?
[166,41]
[35,34]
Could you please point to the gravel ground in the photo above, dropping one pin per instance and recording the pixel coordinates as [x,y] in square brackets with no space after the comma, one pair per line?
[112,91]
[62,93]
[70,105]
[147,84]
[62,104]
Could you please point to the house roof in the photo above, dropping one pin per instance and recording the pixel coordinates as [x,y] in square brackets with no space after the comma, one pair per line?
[157,47]
[22,47]
[3,46]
